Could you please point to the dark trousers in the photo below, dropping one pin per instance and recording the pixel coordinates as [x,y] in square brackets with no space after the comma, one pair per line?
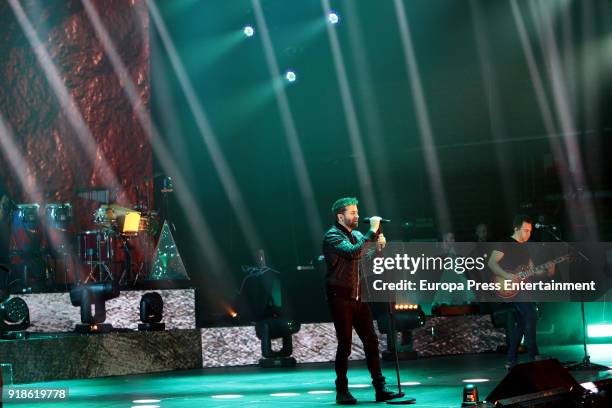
[525,323]
[347,314]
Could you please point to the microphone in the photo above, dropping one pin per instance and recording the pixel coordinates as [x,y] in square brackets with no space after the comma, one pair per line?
[366,220]
[543,226]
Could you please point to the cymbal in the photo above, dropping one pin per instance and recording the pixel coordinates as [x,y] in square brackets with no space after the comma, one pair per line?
[115,210]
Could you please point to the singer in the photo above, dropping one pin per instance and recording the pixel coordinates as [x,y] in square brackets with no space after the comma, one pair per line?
[343,247]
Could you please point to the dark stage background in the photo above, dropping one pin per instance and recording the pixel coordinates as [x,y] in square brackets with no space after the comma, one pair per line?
[490,132]
[492,143]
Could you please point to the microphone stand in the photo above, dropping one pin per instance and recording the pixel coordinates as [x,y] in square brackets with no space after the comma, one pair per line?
[401,399]
[586,364]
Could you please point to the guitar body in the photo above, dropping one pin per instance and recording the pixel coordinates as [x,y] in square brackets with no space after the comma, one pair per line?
[523,273]
[509,294]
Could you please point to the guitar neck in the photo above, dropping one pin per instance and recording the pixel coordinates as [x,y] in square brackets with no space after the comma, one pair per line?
[537,269]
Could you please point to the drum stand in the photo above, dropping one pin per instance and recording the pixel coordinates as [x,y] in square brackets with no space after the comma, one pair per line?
[104,271]
[127,267]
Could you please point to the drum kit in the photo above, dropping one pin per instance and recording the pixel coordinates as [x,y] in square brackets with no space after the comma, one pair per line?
[47,252]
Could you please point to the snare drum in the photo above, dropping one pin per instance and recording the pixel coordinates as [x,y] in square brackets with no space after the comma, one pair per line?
[95,246]
[25,229]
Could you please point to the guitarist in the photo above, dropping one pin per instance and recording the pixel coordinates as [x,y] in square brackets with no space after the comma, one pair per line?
[510,257]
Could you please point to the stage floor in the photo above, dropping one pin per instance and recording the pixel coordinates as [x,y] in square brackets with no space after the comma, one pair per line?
[434,382]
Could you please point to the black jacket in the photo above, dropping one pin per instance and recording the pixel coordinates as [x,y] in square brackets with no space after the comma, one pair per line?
[343,251]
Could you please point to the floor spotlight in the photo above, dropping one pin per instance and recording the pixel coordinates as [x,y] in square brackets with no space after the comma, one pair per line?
[290,76]
[333,18]
[263,287]
[248,31]
[470,395]
[151,312]
[276,328]
[93,294]
[402,320]
[14,318]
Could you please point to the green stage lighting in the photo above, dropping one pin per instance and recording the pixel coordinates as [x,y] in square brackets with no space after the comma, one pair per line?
[599,330]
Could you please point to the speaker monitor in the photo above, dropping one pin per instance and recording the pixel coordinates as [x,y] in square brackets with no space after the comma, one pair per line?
[545,380]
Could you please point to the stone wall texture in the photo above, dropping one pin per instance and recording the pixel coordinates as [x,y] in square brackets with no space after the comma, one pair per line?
[54,156]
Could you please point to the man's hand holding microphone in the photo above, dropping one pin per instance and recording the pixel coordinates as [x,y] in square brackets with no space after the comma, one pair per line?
[374,226]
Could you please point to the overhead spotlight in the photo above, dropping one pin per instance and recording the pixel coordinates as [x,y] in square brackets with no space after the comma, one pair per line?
[333,18]
[151,312]
[248,31]
[93,294]
[14,318]
[290,76]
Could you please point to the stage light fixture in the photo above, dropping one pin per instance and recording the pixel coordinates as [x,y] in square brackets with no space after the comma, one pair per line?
[248,31]
[14,318]
[151,312]
[359,386]
[401,306]
[589,386]
[470,395]
[227,396]
[599,330]
[262,286]
[129,223]
[276,328]
[93,294]
[333,18]
[290,76]
[402,321]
